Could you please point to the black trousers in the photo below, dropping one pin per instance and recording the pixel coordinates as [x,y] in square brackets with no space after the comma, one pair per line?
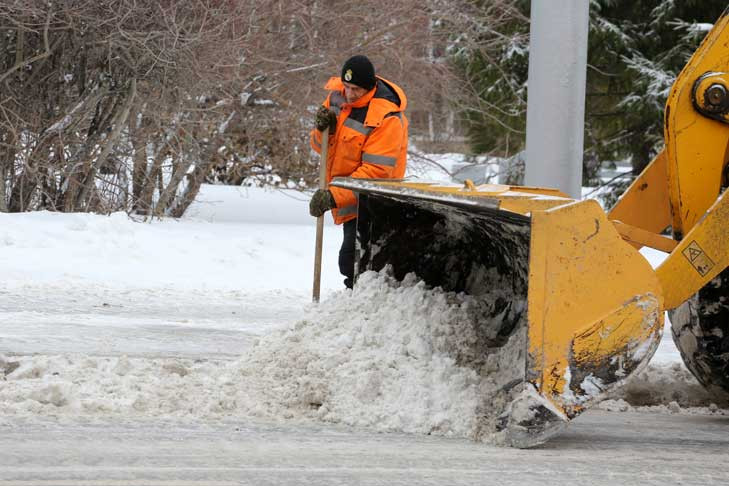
[356,229]
[346,252]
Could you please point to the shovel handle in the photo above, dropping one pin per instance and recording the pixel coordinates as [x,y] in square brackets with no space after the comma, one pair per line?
[320,219]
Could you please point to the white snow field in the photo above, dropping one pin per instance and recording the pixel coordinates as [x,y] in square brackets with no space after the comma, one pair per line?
[189,352]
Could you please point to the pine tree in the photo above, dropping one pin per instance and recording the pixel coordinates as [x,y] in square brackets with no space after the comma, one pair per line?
[494,64]
[635,52]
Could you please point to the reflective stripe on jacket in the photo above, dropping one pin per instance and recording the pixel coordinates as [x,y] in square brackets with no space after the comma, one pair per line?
[370,141]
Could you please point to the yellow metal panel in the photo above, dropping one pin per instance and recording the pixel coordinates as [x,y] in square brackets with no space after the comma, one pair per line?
[624,326]
[639,237]
[583,276]
[696,146]
[540,191]
[700,257]
[468,188]
[645,203]
[527,206]
[517,199]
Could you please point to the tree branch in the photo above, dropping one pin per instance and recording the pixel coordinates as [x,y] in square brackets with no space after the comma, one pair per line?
[22,63]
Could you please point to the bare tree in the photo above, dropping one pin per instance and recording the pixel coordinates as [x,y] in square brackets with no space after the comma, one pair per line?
[91,88]
[131,105]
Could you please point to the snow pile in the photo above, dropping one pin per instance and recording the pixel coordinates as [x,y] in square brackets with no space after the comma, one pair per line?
[662,384]
[88,250]
[621,405]
[390,356]
[384,356]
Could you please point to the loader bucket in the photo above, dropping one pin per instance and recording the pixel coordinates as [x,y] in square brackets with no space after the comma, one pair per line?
[565,310]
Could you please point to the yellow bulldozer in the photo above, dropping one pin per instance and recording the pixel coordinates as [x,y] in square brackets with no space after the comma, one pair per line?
[562,300]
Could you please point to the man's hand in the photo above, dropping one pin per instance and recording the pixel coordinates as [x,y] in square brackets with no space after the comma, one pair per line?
[325,118]
[321,202]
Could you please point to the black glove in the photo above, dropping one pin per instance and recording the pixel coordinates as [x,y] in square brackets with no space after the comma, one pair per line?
[325,118]
[321,202]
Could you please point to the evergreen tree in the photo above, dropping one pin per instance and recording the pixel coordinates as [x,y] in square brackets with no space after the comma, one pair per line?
[635,52]
[494,64]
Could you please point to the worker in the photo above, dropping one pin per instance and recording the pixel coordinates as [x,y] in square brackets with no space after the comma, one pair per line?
[368,138]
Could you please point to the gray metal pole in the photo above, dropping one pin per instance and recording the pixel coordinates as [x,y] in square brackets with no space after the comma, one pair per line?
[556,94]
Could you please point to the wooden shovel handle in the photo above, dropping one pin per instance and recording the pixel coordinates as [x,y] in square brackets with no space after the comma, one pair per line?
[320,219]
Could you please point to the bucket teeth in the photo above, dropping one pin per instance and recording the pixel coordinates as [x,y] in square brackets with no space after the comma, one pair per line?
[530,420]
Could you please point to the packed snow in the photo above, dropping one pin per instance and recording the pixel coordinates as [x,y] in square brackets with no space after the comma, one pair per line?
[210,318]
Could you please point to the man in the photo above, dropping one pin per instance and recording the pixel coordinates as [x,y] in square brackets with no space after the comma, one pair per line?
[368,138]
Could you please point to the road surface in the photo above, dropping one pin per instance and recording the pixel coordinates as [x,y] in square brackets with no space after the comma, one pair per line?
[599,448]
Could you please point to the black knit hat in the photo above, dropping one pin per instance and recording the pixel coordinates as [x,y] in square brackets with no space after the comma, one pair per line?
[360,71]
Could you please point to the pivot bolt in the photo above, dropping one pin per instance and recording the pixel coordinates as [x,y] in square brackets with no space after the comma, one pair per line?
[716,95]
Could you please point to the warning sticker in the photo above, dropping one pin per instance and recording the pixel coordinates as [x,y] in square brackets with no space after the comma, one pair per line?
[696,256]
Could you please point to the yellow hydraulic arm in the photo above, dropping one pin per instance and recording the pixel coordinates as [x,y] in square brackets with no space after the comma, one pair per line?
[681,187]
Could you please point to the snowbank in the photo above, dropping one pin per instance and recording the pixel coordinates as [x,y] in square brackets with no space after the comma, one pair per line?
[380,357]
[88,250]
[384,356]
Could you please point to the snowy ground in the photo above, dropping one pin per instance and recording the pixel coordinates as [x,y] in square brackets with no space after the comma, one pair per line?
[192,331]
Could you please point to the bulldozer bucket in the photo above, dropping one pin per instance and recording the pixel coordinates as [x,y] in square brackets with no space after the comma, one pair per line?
[564,308]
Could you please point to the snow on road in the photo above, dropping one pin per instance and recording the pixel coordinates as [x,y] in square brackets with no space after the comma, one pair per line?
[341,362]
[107,320]
[79,286]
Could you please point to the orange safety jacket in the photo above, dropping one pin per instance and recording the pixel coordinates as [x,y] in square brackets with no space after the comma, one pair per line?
[370,141]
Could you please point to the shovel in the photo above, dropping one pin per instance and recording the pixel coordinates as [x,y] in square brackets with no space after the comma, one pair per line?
[320,219]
